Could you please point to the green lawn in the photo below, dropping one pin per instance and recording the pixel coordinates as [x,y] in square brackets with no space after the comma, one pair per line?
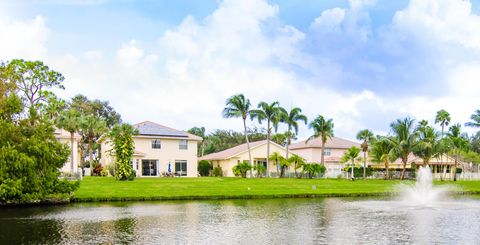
[109,189]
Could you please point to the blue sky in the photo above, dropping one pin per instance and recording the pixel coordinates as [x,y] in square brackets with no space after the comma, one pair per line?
[363,63]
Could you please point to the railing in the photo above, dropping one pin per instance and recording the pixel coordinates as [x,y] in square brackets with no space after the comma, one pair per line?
[71,176]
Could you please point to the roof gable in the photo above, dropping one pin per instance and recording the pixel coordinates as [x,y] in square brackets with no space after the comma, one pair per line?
[236,150]
[151,128]
[333,142]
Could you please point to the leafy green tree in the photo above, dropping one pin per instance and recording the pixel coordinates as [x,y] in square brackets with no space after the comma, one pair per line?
[351,155]
[404,140]
[291,119]
[259,169]
[273,114]
[297,162]
[458,143]
[121,137]
[429,144]
[366,136]
[443,118]
[238,106]
[70,121]
[92,126]
[313,169]
[204,168]
[200,132]
[220,140]
[382,152]
[475,117]
[322,128]
[241,169]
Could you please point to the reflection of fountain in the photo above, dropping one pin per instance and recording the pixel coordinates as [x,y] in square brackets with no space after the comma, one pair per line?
[423,191]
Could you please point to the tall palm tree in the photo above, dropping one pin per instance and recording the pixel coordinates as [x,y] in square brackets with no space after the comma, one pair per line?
[404,140]
[200,132]
[350,156]
[367,137]
[459,142]
[238,106]
[297,161]
[382,152]
[322,128]
[273,114]
[291,119]
[429,144]
[70,121]
[475,120]
[443,118]
[92,126]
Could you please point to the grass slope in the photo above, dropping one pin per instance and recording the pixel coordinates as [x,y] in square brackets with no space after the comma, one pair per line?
[109,189]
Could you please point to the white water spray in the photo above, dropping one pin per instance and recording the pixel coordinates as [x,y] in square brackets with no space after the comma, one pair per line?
[423,192]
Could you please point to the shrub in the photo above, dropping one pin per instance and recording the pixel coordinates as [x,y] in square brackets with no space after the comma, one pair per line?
[217,171]
[65,186]
[98,170]
[260,170]
[313,169]
[111,169]
[241,169]
[204,168]
[358,171]
[132,175]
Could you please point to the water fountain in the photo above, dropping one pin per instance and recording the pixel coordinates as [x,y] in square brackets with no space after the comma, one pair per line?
[423,192]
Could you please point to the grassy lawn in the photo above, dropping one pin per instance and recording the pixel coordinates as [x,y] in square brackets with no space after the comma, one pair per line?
[108,189]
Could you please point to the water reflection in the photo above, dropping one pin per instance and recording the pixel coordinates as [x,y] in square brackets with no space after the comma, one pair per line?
[278,221]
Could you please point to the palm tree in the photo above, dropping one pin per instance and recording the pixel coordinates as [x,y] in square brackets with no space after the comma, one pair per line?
[200,132]
[92,126]
[322,128]
[382,152]
[367,137]
[350,156]
[279,160]
[404,140]
[291,119]
[70,121]
[428,143]
[297,161]
[459,142]
[475,120]
[443,118]
[238,106]
[273,114]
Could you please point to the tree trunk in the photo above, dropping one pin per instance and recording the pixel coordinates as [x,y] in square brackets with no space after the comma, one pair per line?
[455,168]
[248,146]
[268,148]
[441,160]
[353,166]
[402,176]
[322,158]
[90,157]
[364,164]
[71,148]
[445,169]
[386,170]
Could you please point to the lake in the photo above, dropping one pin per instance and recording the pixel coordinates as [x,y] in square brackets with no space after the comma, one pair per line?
[261,221]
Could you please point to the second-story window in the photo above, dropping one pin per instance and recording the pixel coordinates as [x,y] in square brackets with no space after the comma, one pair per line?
[183,145]
[156,144]
[327,152]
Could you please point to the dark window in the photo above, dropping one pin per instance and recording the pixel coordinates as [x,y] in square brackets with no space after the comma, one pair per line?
[183,145]
[181,167]
[156,144]
[149,167]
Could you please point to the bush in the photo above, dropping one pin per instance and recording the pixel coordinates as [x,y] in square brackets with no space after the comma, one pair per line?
[98,170]
[313,169]
[217,171]
[241,169]
[111,169]
[132,175]
[204,168]
[358,171]
[260,170]
[65,186]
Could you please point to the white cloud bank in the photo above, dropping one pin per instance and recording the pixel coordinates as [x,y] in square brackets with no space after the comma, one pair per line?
[183,78]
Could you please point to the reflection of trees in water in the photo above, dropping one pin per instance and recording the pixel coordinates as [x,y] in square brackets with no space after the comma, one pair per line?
[28,231]
[124,230]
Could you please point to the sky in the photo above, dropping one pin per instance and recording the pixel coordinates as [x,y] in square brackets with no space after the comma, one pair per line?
[363,63]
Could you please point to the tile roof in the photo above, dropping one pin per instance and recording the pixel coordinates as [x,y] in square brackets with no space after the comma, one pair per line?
[230,152]
[334,142]
[154,129]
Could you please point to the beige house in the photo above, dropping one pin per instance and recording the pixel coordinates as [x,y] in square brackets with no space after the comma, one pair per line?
[335,147]
[64,137]
[159,151]
[228,158]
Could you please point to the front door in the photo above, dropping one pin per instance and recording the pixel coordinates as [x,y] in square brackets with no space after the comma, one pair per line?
[149,167]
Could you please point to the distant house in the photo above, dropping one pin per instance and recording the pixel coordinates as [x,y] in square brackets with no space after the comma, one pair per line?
[64,137]
[159,149]
[228,158]
[335,147]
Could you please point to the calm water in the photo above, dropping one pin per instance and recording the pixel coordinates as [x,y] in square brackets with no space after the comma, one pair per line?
[278,221]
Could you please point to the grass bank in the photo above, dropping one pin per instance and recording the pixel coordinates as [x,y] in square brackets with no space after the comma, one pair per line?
[108,189]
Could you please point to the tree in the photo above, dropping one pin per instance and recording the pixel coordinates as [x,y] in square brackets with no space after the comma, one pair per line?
[298,162]
[475,117]
[273,114]
[123,147]
[279,161]
[204,167]
[322,128]
[404,140]
[92,126]
[241,169]
[350,156]
[238,106]
[70,121]
[291,119]
[382,152]
[200,132]
[313,169]
[429,144]
[459,143]
[443,118]
[367,137]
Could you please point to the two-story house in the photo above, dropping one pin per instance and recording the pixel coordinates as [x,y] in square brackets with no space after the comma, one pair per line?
[159,151]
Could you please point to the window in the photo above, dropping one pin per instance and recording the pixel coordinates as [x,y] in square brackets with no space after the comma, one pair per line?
[156,144]
[149,167]
[181,168]
[183,145]
[327,152]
